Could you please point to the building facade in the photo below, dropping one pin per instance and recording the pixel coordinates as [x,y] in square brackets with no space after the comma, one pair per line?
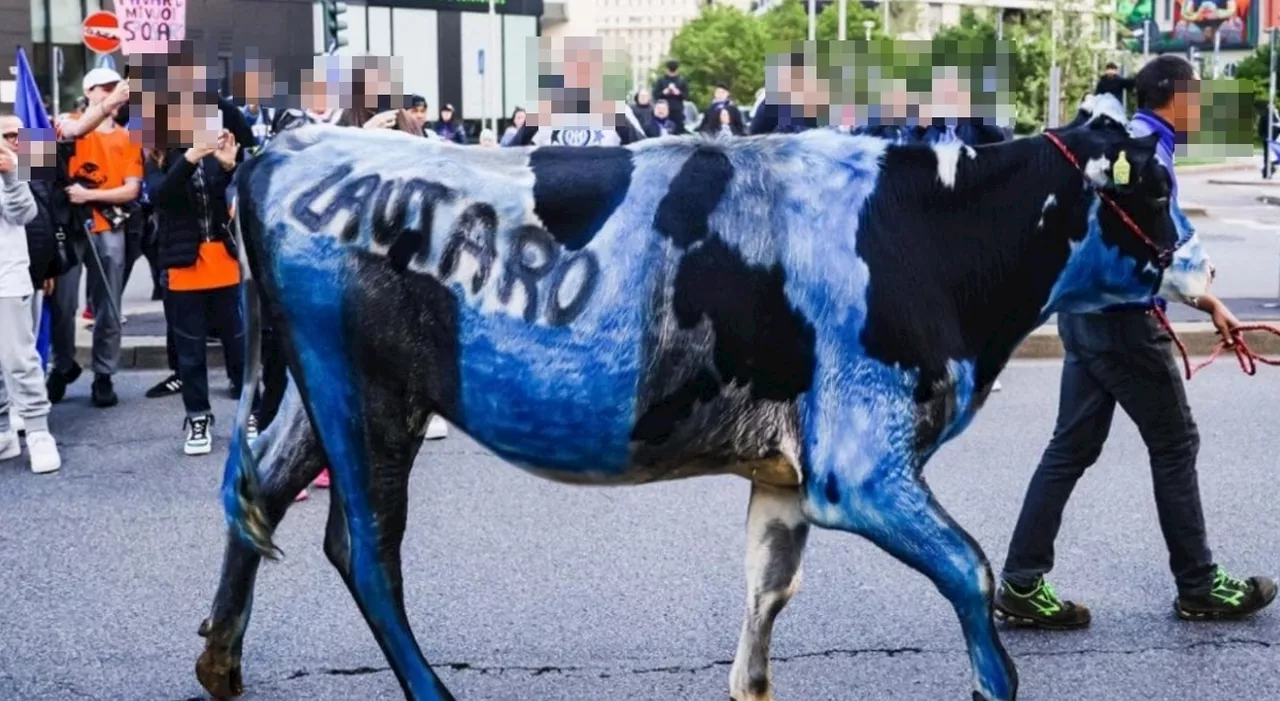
[50,31]
[440,43]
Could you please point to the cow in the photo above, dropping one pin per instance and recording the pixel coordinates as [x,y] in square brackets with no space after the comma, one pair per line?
[817,313]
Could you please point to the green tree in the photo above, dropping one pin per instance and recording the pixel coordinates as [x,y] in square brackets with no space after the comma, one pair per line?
[722,44]
[788,21]
[856,13]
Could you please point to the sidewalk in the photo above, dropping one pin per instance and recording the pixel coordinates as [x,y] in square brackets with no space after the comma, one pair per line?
[143,338]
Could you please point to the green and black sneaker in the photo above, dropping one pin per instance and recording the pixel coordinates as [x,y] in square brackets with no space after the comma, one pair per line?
[1039,607]
[1229,599]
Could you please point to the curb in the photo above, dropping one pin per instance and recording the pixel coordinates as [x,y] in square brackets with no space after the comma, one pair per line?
[1265,184]
[148,353]
[1217,167]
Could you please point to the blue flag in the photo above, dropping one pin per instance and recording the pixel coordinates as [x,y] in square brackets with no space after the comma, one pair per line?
[28,105]
[30,109]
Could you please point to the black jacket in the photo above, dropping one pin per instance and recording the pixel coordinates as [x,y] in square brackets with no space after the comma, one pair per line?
[52,214]
[1114,86]
[676,103]
[190,202]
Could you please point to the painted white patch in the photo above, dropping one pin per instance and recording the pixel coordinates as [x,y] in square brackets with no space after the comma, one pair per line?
[1097,170]
[1104,106]
[969,151]
[1050,201]
[948,160]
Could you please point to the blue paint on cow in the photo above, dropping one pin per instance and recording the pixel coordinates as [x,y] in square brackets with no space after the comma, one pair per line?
[315,269]
[1098,273]
[569,405]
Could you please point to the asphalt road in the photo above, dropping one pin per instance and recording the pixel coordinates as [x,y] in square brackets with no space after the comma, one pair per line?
[524,589]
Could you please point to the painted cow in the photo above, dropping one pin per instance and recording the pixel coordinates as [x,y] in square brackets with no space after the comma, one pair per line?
[817,313]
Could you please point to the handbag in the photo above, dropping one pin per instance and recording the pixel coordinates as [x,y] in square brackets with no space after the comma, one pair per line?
[64,254]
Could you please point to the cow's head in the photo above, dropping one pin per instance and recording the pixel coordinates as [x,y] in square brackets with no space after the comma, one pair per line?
[1134,245]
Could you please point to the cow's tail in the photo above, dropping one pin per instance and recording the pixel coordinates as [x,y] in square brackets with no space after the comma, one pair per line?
[242,498]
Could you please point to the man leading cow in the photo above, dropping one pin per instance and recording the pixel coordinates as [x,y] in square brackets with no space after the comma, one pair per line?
[1123,356]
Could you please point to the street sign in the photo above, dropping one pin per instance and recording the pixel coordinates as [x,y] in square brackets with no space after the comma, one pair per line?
[101,32]
[480,60]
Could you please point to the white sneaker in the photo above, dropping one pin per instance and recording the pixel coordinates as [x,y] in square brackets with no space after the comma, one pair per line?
[251,430]
[10,448]
[436,428]
[43,451]
[199,441]
[19,426]
[996,386]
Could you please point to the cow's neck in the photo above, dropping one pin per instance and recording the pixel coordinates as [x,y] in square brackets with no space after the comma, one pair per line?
[987,263]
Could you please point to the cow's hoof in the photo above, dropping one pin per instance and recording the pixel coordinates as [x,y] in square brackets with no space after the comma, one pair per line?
[205,626]
[219,674]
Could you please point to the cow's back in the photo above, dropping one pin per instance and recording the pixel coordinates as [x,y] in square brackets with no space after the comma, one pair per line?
[612,308]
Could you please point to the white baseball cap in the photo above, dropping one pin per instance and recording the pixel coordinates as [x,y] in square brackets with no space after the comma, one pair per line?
[100,76]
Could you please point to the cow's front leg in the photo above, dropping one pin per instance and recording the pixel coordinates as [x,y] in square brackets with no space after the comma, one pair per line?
[289,457]
[776,535]
[888,503]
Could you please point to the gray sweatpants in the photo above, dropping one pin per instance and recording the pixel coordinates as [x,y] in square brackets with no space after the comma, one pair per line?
[110,246]
[23,377]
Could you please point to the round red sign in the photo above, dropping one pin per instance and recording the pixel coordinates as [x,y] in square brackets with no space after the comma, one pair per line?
[102,32]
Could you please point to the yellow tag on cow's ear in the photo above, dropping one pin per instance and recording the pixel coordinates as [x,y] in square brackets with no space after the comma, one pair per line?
[1120,171]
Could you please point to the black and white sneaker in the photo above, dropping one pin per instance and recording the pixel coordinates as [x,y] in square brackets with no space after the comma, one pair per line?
[199,440]
[167,387]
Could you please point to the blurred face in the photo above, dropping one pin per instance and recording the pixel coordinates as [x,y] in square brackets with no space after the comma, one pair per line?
[518,119]
[192,123]
[721,94]
[1186,108]
[257,86]
[660,110]
[419,110]
[724,117]
[643,97]
[99,93]
[35,148]
[488,140]
[446,115]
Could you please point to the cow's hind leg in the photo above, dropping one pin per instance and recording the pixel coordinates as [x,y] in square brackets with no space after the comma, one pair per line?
[776,535]
[289,457]
[370,421]
[890,505]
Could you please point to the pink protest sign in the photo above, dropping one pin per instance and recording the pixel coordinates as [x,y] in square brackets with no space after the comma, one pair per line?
[148,26]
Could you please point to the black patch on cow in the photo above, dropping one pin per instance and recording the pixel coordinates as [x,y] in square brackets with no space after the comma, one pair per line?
[831,488]
[760,340]
[938,273]
[658,421]
[561,314]
[388,215]
[302,206]
[785,547]
[576,190]
[683,214]
[432,194]
[474,233]
[533,254]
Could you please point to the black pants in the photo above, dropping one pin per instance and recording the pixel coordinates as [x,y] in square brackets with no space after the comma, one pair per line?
[1126,359]
[275,377]
[192,316]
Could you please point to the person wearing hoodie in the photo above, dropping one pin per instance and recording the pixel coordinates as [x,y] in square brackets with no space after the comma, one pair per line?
[19,358]
[449,128]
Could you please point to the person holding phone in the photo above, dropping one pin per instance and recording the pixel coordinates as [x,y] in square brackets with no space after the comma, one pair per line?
[188,190]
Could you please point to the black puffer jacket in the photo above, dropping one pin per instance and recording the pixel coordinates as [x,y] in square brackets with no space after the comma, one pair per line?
[190,202]
[53,213]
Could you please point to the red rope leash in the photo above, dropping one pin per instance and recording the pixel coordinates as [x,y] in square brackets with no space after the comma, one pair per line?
[1245,355]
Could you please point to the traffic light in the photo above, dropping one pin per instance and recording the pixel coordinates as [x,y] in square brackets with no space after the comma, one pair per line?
[335,27]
